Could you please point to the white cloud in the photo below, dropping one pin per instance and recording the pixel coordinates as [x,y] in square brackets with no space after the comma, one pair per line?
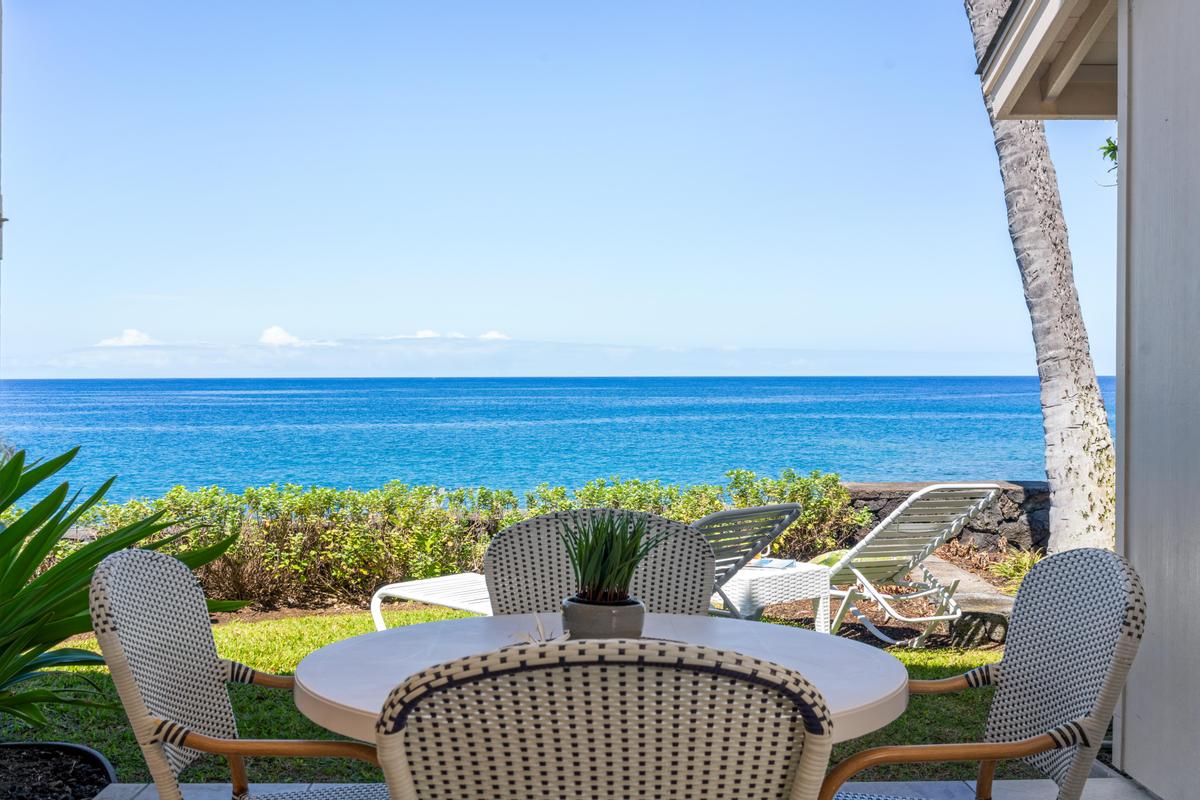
[424,333]
[455,335]
[130,337]
[276,336]
[493,336]
[442,357]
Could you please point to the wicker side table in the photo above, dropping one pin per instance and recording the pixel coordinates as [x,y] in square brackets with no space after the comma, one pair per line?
[752,589]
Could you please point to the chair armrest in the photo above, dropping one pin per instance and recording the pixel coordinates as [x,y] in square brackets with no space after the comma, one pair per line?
[943,686]
[236,672]
[985,675]
[166,732]
[1066,735]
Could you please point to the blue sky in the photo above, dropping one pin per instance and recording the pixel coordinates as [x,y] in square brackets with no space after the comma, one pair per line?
[378,188]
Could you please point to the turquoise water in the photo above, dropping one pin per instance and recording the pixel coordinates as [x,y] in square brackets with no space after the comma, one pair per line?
[517,433]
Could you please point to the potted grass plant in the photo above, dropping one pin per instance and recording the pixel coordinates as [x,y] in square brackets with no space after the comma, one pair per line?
[605,549]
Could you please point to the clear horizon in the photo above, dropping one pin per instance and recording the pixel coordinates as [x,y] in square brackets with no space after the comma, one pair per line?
[527,190]
[514,377]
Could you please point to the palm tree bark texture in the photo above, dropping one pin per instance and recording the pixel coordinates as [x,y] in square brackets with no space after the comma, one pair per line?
[1080,463]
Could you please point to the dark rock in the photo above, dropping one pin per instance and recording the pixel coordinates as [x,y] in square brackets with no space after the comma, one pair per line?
[976,628]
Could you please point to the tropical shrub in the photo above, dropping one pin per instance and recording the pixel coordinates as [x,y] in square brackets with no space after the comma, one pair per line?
[304,546]
[827,520]
[44,579]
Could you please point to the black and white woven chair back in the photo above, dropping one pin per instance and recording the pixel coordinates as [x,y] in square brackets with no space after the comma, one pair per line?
[605,719]
[1076,626]
[528,571]
[150,618]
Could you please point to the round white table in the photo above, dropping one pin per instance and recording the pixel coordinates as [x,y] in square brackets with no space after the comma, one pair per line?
[342,686]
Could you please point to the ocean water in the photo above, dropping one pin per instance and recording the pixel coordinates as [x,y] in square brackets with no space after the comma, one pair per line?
[519,432]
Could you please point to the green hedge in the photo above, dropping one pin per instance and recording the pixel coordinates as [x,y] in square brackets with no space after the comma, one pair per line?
[305,546]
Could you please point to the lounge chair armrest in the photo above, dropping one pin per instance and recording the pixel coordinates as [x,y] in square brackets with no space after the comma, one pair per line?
[166,732]
[985,675]
[1067,735]
[236,672]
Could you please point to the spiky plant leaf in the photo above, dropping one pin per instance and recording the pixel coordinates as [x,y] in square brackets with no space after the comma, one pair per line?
[40,606]
[605,549]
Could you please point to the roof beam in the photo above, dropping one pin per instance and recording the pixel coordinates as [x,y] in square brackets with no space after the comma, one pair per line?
[1025,42]
[1092,94]
[1080,40]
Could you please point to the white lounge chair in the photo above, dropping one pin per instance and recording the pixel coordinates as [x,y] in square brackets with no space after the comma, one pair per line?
[736,535]
[529,564]
[900,544]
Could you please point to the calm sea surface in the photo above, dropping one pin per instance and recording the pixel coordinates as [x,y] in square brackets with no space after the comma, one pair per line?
[517,433]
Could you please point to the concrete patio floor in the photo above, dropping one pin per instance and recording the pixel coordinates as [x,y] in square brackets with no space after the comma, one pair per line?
[1115,788]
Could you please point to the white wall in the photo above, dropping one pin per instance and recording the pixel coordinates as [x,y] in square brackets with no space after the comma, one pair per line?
[1159,383]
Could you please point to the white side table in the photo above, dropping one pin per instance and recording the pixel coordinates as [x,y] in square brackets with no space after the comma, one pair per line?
[752,589]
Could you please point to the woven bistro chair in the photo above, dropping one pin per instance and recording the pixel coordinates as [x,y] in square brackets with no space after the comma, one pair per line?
[605,719]
[150,619]
[531,566]
[528,571]
[1076,626]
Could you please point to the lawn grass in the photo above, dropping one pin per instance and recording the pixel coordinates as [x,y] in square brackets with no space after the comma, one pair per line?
[278,645]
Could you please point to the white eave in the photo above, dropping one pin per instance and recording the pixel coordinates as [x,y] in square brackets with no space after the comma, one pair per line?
[1054,59]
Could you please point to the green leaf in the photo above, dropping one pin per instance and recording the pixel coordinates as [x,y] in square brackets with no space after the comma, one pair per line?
[42,606]
[205,555]
[36,474]
[225,606]
[10,477]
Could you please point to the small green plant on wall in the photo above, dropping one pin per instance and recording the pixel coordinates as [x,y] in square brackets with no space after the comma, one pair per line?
[1014,566]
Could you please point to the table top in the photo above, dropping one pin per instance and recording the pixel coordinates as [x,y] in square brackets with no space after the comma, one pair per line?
[342,686]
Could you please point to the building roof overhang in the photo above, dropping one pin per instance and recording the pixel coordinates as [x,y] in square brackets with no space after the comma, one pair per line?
[1053,59]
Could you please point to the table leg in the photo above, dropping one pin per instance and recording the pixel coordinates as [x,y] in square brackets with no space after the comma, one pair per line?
[821,611]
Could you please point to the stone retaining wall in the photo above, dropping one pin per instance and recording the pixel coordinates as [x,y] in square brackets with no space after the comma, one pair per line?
[1021,515]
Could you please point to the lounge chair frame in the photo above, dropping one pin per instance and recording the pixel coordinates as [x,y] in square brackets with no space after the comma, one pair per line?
[737,535]
[896,547]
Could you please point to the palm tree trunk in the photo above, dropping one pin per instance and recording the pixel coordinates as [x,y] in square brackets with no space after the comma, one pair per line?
[1080,465]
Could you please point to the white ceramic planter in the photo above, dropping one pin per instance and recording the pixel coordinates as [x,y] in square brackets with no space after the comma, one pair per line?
[596,621]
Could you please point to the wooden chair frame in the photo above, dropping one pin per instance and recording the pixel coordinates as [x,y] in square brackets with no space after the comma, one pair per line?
[149,614]
[235,751]
[986,753]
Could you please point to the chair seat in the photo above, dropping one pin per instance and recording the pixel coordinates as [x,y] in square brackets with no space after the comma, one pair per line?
[348,791]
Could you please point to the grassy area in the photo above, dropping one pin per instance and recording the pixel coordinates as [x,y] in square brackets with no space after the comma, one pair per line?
[278,645]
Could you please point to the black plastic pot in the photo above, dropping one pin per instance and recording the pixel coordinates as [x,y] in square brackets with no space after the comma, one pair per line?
[79,752]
